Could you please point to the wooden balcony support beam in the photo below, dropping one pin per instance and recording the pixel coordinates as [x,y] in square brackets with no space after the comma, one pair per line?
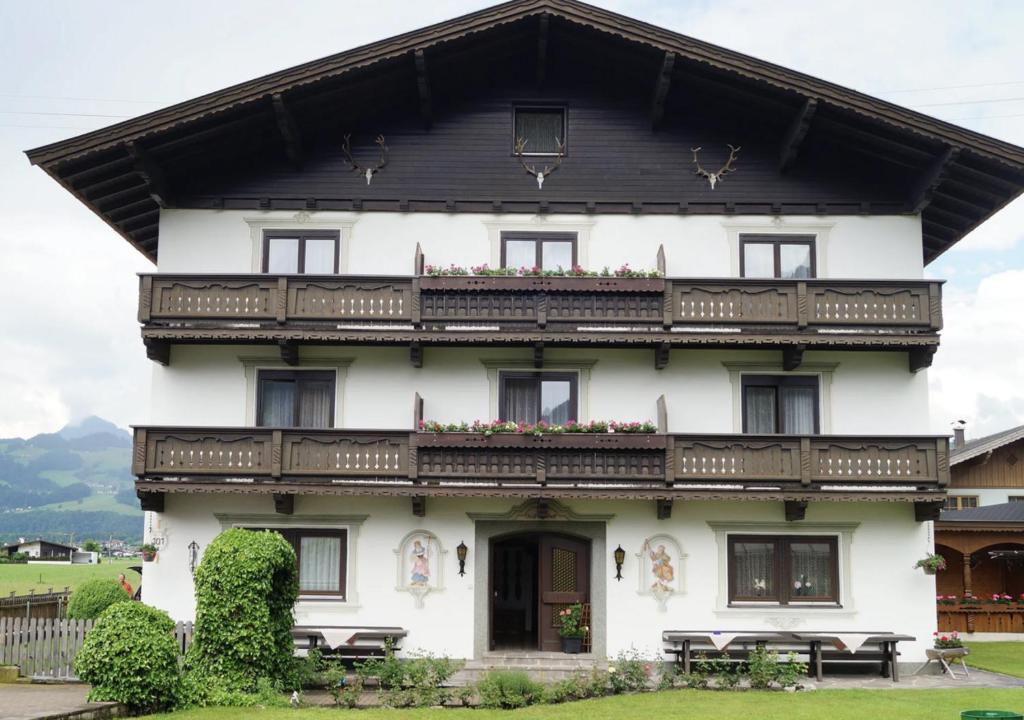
[931,178]
[150,501]
[662,352]
[289,352]
[795,510]
[538,355]
[158,351]
[289,130]
[419,505]
[423,88]
[661,87]
[416,354]
[284,503]
[920,358]
[925,511]
[795,135]
[663,508]
[792,356]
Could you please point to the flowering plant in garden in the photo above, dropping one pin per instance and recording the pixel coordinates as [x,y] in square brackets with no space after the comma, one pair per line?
[948,640]
[946,599]
[625,271]
[570,622]
[541,428]
[932,562]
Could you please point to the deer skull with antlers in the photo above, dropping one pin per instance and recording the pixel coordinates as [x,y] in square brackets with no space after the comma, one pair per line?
[367,171]
[532,169]
[715,177]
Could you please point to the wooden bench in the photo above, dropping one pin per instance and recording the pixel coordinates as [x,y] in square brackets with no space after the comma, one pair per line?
[881,647]
[350,642]
[734,644]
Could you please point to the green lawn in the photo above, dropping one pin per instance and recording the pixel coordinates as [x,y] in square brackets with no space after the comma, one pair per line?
[24,577]
[814,705]
[1003,657]
[96,503]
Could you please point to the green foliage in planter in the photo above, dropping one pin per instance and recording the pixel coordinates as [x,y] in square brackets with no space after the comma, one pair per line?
[508,689]
[246,587]
[92,597]
[130,657]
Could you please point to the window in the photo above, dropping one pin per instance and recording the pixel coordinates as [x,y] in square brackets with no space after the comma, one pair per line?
[531,397]
[307,252]
[320,555]
[783,569]
[295,398]
[962,502]
[785,404]
[541,128]
[547,251]
[1015,498]
[777,256]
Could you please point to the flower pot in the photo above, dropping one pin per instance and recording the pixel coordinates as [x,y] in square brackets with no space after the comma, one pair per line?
[928,570]
[148,555]
[572,645]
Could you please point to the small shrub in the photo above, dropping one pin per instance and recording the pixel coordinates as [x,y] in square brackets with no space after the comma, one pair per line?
[418,681]
[578,687]
[464,695]
[213,691]
[789,673]
[630,672]
[345,689]
[508,689]
[92,597]
[130,657]
[761,667]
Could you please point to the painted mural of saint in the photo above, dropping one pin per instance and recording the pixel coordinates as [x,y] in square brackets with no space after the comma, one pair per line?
[661,567]
[420,574]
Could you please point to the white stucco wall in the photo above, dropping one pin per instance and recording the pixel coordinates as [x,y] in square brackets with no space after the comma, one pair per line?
[227,241]
[880,590]
[868,392]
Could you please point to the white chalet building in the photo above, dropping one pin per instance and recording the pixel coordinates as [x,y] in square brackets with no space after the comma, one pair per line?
[778,340]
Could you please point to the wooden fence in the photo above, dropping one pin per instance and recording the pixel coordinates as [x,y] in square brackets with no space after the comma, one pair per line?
[994,619]
[44,605]
[46,647]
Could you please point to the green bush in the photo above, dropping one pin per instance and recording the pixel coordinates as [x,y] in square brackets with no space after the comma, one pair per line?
[246,587]
[578,687]
[508,689]
[130,657]
[630,672]
[417,681]
[93,597]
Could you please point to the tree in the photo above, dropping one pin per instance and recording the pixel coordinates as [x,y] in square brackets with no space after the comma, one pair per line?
[91,546]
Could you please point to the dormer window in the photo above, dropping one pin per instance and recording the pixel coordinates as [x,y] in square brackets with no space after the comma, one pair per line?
[295,252]
[777,256]
[541,127]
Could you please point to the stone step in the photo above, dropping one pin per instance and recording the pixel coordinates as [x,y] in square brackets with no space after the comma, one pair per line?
[542,667]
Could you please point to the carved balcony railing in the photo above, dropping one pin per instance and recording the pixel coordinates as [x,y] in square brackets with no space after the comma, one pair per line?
[539,302]
[639,462]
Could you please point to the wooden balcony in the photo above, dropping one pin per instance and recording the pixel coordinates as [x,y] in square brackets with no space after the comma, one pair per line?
[662,313]
[653,466]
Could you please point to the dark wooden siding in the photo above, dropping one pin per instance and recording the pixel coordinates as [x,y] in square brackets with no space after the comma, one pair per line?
[1004,469]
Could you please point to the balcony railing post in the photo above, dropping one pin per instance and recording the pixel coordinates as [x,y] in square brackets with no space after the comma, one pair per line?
[540,465]
[935,305]
[805,461]
[414,302]
[414,459]
[145,297]
[670,461]
[542,310]
[139,456]
[942,461]
[667,303]
[275,454]
[282,300]
[802,311]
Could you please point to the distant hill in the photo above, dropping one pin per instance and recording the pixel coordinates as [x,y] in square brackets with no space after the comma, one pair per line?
[74,481]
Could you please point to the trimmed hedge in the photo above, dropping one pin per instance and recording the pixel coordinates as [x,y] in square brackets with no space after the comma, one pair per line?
[130,657]
[92,597]
[246,587]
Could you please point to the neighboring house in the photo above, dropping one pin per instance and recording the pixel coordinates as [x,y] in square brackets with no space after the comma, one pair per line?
[299,337]
[42,550]
[986,471]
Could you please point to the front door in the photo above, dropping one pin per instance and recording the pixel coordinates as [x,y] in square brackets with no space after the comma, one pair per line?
[564,565]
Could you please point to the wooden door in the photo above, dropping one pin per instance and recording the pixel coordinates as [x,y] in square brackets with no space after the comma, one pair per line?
[564,579]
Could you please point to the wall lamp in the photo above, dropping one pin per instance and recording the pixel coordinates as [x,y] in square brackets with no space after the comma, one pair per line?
[620,558]
[461,551]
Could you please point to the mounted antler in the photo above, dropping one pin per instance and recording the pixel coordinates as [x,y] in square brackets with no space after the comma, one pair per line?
[716,177]
[368,172]
[532,169]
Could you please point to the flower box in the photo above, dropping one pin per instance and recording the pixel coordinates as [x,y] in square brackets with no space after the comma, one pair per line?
[540,283]
[582,441]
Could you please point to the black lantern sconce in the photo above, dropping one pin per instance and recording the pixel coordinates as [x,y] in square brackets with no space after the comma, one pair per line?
[193,556]
[620,558]
[461,551]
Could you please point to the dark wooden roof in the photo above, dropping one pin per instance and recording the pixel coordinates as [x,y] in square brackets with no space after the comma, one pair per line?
[121,172]
[980,446]
[1004,513]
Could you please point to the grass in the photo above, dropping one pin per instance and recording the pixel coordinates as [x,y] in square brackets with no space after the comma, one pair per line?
[1001,657]
[685,704]
[96,503]
[24,577]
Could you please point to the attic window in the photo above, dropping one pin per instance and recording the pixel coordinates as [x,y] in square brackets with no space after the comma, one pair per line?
[542,128]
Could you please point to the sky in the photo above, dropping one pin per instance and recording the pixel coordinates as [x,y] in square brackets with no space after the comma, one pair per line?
[69,340]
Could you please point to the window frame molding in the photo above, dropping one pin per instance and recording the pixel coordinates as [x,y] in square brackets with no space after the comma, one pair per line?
[779,225]
[782,380]
[294,372]
[539,224]
[252,364]
[824,370]
[299,222]
[538,374]
[542,107]
[783,577]
[539,239]
[352,524]
[844,532]
[582,367]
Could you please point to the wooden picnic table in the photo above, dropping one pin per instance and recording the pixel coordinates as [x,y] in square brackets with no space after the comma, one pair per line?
[885,640]
[349,640]
[720,640]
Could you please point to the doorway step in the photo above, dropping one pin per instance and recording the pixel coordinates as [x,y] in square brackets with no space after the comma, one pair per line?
[546,667]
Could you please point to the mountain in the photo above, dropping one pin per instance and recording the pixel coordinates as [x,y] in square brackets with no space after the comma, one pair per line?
[76,481]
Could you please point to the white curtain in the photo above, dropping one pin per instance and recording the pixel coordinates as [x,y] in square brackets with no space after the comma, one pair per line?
[283,255]
[554,401]
[754,570]
[760,409]
[795,260]
[320,564]
[798,410]
[811,569]
[758,260]
[520,400]
[315,404]
[277,403]
[319,256]
[541,130]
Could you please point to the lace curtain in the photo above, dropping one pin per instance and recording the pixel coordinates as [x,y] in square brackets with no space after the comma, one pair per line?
[754,570]
[320,564]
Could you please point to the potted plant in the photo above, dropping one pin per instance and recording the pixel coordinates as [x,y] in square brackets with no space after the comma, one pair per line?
[931,563]
[571,628]
[148,552]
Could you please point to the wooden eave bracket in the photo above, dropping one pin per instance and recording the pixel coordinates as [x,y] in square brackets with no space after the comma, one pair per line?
[416,354]
[928,510]
[661,87]
[289,130]
[151,173]
[662,352]
[795,510]
[920,358]
[289,352]
[538,355]
[284,503]
[931,178]
[792,356]
[158,351]
[419,505]
[795,134]
[663,508]
[150,501]
[423,88]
